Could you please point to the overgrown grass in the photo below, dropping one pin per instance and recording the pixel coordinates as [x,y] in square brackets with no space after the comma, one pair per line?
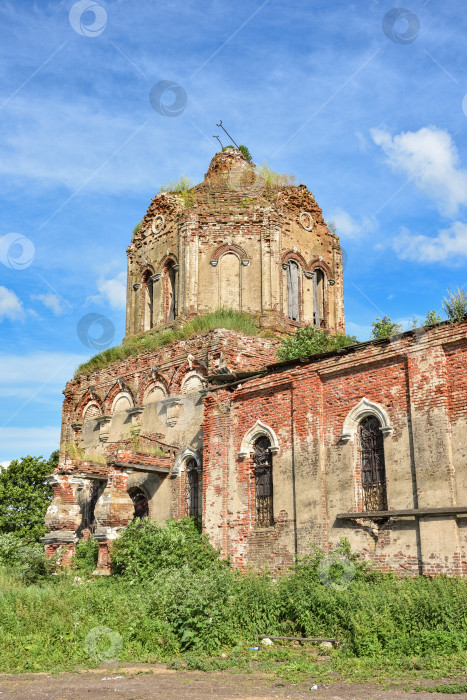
[151,340]
[173,601]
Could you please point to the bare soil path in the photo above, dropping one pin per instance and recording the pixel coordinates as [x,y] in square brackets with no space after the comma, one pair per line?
[144,682]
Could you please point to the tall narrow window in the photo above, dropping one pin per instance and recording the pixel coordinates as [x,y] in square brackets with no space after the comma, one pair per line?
[372,464]
[192,489]
[148,302]
[262,459]
[292,291]
[172,292]
[318,298]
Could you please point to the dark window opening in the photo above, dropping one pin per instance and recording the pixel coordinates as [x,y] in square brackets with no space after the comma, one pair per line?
[372,464]
[318,298]
[148,302]
[262,459]
[90,506]
[172,292]
[140,502]
[292,291]
[192,489]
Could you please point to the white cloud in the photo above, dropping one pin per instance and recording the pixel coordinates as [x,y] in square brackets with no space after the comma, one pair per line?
[112,291]
[429,157]
[347,226]
[4,465]
[448,246]
[51,301]
[10,306]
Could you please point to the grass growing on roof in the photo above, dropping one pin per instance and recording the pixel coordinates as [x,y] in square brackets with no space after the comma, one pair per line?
[151,340]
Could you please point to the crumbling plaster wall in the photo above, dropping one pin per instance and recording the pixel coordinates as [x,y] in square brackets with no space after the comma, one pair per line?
[420,384]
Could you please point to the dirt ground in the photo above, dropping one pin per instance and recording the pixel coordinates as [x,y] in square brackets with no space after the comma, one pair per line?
[144,682]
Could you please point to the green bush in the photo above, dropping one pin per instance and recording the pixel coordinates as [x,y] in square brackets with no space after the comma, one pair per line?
[25,560]
[384,327]
[86,553]
[145,548]
[311,340]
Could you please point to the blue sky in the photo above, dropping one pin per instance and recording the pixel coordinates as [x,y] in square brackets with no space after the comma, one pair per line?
[375,127]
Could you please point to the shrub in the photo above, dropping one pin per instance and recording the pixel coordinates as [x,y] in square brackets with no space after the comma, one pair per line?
[245,152]
[311,340]
[86,552]
[26,560]
[432,318]
[146,548]
[137,228]
[455,304]
[384,327]
[274,179]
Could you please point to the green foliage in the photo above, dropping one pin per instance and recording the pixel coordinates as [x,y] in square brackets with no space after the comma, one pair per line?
[172,596]
[146,548]
[85,558]
[274,179]
[74,451]
[455,304]
[134,436]
[222,318]
[225,148]
[384,327]
[432,317]
[137,227]
[311,340]
[245,151]
[24,497]
[25,559]
[182,187]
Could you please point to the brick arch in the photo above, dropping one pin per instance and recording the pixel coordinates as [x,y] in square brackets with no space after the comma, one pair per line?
[230,248]
[170,259]
[88,397]
[183,370]
[117,389]
[148,271]
[157,379]
[316,263]
[292,255]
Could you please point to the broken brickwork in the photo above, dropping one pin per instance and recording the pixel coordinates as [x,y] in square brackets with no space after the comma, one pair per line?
[181,425]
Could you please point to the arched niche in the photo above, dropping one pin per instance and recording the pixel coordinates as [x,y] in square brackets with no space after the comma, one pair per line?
[230,281]
[192,383]
[122,402]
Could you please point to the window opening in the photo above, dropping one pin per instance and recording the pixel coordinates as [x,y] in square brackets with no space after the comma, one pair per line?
[292,291]
[372,464]
[192,489]
[262,459]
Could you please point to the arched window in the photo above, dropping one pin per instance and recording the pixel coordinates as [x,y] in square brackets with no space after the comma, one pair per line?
[192,489]
[229,282]
[262,459]
[318,298]
[293,305]
[122,402]
[372,464]
[171,292]
[148,301]
[140,502]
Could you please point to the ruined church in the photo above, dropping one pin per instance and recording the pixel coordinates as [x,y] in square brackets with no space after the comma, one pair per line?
[272,458]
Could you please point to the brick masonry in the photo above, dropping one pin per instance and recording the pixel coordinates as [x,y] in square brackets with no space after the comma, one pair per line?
[134,427]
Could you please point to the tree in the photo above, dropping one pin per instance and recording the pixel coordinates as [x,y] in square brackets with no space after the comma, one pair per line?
[310,340]
[25,496]
[455,304]
[384,327]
